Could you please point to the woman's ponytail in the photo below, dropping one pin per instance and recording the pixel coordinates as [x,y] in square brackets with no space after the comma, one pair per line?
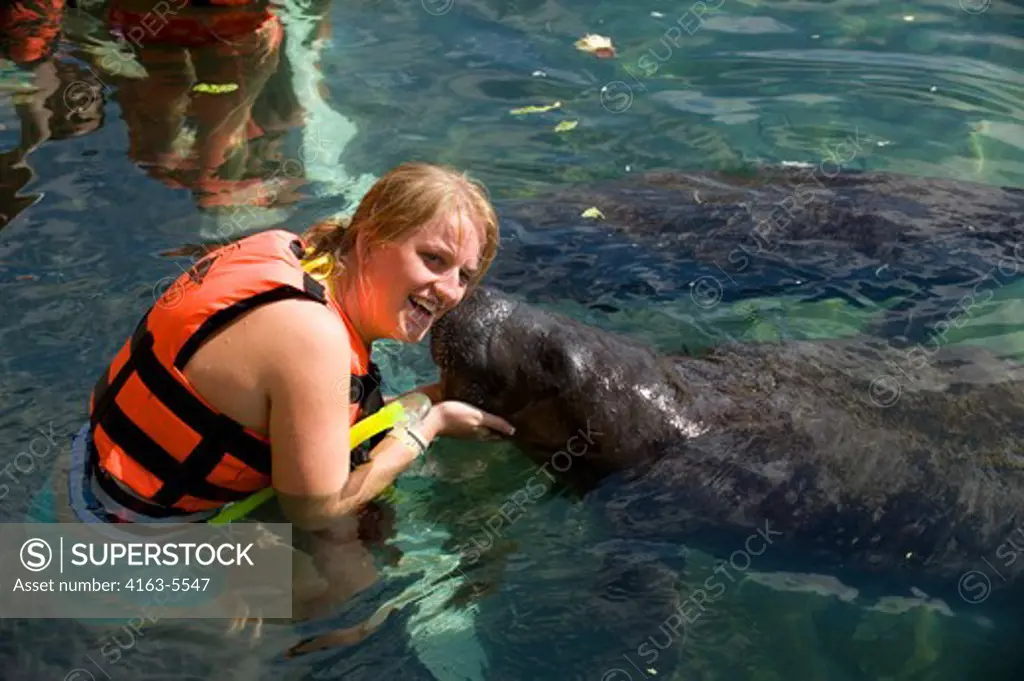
[328,237]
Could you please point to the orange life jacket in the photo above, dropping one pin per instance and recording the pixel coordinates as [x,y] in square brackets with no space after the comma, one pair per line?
[154,434]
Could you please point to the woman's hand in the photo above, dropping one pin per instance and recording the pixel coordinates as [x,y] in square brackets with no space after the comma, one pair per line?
[466,422]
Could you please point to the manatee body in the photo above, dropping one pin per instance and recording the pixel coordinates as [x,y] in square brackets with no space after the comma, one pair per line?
[855,457]
[750,230]
[884,217]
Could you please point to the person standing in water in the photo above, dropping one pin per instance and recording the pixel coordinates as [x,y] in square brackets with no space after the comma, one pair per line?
[236,378]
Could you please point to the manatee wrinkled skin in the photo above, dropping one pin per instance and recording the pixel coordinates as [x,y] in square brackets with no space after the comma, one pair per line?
[816,439]
[818,213]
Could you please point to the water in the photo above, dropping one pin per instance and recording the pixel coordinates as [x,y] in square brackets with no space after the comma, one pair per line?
[923,88]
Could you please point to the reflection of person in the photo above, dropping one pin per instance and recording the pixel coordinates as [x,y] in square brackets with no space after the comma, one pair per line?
[206,63]
[65,101]
[29,30]
[233,380]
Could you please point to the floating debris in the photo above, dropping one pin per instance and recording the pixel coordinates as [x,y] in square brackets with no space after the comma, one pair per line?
[566,126]
[215,88]
[592,212]
[534,109]
[598,45]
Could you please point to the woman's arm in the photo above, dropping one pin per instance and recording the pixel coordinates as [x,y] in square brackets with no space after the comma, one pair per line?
[307,382]
[317,512]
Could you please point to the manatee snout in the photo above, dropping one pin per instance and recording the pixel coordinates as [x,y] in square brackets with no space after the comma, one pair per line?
[505,358]
[462,344]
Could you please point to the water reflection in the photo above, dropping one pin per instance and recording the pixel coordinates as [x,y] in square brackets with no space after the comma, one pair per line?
[59,99]
[207,93]
[29,30]
[194,121]
[207,70]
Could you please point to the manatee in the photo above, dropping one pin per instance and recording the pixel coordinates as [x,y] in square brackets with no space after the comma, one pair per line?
[756,228]
[772,211]
[845,454]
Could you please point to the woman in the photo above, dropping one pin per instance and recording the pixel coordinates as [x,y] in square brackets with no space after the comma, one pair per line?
[236,378]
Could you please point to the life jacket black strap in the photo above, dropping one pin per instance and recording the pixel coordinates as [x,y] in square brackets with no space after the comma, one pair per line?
[154,458]
[213,427]
[366,391]
[105,390]
[129,501]
[311,288]
[221,318]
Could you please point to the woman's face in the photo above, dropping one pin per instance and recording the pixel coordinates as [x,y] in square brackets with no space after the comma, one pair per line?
[406,286]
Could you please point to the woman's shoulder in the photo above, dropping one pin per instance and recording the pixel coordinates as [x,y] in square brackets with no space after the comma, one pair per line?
[301,325]
[303,351]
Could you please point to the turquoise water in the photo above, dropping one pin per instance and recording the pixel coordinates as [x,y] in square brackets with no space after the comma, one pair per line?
[928,89]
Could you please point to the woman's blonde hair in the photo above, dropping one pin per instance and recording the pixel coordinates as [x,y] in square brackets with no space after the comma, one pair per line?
[398,204]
